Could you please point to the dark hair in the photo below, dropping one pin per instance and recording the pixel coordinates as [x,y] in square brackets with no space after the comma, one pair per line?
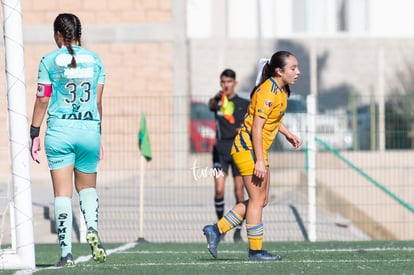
[228,73]
[278,60]
[70,27]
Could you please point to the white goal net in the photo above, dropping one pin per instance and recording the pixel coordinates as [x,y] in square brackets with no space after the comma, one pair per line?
[17,242]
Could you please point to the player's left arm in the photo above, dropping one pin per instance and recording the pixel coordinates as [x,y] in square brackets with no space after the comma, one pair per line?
[99,93]
[100,86]
[293,139]
[44,91]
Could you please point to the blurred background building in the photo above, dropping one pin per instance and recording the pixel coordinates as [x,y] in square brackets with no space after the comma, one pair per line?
[363,58]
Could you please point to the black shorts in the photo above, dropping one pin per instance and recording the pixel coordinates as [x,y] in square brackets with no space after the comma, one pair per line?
[222,158]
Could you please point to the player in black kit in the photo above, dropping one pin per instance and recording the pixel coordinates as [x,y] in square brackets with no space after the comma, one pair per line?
[229,110]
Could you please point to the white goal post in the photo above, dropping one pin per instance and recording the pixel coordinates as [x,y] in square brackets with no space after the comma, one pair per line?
[21,255]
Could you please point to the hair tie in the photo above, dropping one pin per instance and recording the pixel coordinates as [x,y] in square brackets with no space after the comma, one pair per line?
[262,63]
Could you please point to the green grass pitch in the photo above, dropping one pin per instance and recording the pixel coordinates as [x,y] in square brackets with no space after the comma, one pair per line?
[373,257]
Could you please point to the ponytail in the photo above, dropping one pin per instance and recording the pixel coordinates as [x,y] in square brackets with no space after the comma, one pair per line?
[70,27]
[266,73]
[278,60]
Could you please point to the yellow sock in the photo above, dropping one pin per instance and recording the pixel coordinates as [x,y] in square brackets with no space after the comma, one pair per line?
[229,221]
[255,236]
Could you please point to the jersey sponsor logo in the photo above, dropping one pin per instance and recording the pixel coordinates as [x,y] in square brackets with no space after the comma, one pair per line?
[79,116]
[78,72]
[64,59]
[54,162]
[268,104]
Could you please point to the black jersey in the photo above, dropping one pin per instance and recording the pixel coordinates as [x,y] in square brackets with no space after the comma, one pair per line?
[226,130]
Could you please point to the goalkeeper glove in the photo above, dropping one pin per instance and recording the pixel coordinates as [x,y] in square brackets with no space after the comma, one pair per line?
[35,142]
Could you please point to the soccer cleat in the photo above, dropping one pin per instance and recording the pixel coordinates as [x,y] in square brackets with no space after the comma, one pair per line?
[98,251]
[237,236]
[213,238]
[66,261]
[263,255]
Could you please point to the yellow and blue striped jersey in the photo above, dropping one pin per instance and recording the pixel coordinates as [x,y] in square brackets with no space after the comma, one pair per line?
[269,101]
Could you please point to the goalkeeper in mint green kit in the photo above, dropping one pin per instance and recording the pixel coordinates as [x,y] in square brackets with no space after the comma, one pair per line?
[70,87]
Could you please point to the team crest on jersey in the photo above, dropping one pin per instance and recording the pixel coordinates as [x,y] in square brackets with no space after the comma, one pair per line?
[268,104]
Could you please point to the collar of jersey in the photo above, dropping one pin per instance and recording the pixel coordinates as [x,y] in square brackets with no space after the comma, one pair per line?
[275,83]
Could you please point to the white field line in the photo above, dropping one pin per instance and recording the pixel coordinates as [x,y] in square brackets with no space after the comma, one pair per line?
[355,250]
[81,259]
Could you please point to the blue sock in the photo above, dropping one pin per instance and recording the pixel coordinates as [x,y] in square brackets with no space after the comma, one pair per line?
[89,204]
[63,218]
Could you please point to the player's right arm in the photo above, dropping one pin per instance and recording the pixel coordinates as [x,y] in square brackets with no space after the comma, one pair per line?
[44,91]
[39,110]
[43,94]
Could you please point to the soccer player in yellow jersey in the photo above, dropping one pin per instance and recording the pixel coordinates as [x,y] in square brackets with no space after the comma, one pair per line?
[250,149]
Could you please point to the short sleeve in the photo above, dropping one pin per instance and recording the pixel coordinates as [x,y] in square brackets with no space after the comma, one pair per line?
[264,103]
[102,76]
[43,74]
